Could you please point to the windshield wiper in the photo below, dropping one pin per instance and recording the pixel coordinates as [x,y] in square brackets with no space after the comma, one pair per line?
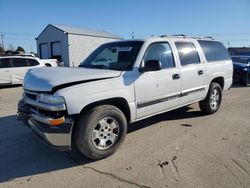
[85,66]
[99,66]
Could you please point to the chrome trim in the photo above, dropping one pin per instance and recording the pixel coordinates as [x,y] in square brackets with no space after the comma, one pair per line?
[143,104]
[188,92]
[30,92]
[49,107]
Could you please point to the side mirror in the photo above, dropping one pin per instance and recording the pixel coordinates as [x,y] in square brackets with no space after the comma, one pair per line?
[151,65]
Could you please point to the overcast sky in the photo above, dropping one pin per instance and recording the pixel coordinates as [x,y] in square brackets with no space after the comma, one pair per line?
[226,20]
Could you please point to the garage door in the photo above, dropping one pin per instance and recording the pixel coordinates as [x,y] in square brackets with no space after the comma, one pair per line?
[56,48]
[44,51]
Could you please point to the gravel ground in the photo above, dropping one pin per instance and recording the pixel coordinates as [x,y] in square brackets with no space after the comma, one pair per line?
[182,148]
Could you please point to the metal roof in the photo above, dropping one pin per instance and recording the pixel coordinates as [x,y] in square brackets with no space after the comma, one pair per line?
[86,32]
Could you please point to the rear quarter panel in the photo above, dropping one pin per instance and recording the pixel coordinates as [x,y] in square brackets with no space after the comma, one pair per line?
[220,69]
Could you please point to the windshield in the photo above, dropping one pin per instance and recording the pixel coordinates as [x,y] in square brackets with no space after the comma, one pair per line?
[244,60]
[114,56]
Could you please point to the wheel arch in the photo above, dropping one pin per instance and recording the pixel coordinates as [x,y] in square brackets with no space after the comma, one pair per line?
[118,102]
[220,80]
[48,65]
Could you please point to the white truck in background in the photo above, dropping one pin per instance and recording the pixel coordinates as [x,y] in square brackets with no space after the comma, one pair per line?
[46,62]
[51,63]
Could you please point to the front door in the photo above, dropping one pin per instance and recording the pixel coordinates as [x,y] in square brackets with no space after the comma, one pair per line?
[157,91]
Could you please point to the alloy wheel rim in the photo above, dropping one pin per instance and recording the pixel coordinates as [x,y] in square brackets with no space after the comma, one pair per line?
[105,133]
[215,99]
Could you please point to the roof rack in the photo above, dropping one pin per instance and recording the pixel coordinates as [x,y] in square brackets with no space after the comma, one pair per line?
[185,36]
[26,55]
[176,35]
[18,55]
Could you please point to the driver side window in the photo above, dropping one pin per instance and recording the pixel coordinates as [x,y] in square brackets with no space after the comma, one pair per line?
[161,52]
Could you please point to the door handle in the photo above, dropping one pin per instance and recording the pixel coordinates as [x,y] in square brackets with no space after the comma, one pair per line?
[200,72]
[176,76]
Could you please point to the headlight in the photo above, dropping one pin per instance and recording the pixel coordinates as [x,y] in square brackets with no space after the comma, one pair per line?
[50,99]
[245,69]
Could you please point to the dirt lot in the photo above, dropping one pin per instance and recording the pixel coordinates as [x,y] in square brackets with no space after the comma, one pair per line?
[181,148]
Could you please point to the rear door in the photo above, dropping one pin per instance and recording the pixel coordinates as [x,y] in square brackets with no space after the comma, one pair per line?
[5,77]
[193,75]
[18,70]
[157,91]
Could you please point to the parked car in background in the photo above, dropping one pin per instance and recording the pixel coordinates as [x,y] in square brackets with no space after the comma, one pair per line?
[46,62]
[14,68]
[241,65]
[52,63]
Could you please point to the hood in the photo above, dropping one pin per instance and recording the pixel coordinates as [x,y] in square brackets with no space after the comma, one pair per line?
[45,79]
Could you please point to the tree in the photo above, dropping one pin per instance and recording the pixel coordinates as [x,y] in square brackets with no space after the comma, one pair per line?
[20,49]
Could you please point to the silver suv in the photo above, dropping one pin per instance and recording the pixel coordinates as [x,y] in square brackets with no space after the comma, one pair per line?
[119,83]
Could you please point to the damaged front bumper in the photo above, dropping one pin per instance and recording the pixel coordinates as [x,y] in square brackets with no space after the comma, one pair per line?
[57,136]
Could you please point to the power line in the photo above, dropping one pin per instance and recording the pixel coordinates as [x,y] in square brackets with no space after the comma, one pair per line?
[18,38]
[28,34]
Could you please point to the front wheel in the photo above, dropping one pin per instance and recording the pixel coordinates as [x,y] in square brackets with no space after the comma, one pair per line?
[100,132]
[213,99]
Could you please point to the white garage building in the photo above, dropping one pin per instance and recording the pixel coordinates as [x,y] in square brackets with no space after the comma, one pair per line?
[70,45]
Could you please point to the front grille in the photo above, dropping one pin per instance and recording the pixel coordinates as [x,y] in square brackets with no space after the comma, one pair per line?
[34,108]
[32,96]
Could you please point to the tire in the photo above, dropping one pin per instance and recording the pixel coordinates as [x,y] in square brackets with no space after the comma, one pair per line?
[244,79]
[26,123]
[213,99]
[48,65]
[100,132]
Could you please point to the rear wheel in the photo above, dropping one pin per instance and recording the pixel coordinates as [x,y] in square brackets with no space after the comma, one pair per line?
[213,99]
[48,65]
[100,132]
[244,79]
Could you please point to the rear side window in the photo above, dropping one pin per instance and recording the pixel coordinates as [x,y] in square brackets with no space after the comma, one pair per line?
[33,62]
[187,53]
[20,62]
[214,51]
[5,63]
[161,52]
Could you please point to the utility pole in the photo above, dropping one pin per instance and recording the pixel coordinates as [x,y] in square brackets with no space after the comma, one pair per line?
[133,35]
[2,40]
